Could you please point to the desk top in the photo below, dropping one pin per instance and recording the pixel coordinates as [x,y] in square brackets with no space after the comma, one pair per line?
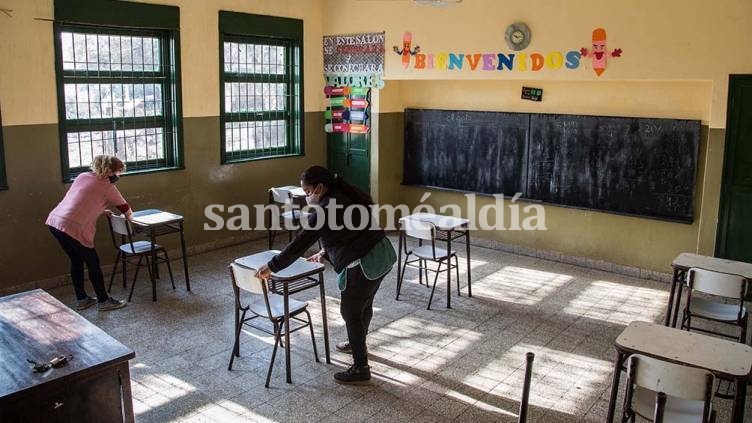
[37,326]
[444,223]
[687,261]
[300,268]
[155,217]
[719,356]
[296,191]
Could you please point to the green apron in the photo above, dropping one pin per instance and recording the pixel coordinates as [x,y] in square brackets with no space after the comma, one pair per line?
[377,263]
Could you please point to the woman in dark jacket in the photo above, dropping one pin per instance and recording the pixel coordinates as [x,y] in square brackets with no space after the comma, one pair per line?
[361,257]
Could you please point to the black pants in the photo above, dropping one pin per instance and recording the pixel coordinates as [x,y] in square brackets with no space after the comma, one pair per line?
[79,255]
[357,309]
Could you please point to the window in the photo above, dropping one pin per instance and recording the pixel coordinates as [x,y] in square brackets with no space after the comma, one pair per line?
[261,107]
[117,94]
[3,180]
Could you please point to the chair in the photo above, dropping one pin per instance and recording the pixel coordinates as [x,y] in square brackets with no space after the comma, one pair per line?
[283,196]
[128,249]
[266,306]
[522,417]
[687,392]
[722,285]
[426,231]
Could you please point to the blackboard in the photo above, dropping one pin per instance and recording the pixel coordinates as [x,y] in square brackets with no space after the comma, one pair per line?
[482,152]
[635,166]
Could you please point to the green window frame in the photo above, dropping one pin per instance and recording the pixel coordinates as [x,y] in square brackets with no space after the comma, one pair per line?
[118,85]
[261,87]
[3,178]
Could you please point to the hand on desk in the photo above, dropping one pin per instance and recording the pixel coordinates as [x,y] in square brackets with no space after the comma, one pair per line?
[317,258]
[264,273]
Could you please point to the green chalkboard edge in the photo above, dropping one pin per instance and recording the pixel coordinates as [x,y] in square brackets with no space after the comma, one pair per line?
[687,221]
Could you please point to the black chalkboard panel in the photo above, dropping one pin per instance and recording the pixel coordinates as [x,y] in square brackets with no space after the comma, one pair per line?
[483,152]
[635,166]
[628,165]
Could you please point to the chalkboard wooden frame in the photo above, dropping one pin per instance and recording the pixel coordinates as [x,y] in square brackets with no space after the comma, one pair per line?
[628,137]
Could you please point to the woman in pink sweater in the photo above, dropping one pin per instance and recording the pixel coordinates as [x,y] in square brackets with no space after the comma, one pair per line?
[73,223]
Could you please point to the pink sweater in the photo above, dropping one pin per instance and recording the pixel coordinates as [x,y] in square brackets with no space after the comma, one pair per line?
[84,202]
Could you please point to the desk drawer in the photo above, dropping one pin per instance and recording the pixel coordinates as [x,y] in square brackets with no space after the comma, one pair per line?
[84,399]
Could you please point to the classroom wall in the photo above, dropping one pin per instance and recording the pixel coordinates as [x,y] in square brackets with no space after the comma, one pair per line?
[29,255]
[670,68]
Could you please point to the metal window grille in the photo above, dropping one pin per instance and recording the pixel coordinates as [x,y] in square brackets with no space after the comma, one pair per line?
[116,90]
[260,108]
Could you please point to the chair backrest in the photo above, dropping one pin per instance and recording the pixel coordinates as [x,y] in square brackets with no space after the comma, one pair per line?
[417,228]
[716,283]
[674,380]
[245,279]
[119,225]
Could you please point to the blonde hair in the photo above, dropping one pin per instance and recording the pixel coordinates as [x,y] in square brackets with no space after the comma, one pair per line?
[104,165]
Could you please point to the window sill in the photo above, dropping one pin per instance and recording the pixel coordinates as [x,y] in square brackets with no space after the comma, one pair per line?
[134,172]
[226,161]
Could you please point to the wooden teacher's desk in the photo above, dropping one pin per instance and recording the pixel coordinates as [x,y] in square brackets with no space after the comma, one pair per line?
[93,386]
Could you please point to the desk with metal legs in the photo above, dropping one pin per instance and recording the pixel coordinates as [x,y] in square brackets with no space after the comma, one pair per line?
[154,223]
[298,276]
[725,359]
[449,228]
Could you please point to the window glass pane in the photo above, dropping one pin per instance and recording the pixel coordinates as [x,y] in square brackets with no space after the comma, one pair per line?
[254,58]
[101,52]
[95,101]
[254,97]
[255,135]
[130,145]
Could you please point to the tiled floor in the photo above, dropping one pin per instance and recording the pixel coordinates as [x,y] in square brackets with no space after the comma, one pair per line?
[464,364]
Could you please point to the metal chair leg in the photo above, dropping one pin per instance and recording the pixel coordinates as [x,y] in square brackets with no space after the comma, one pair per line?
[236,346]
[277,337]
[457,273]
[138,266]
[743,335]
[313,338]
[402,277]
[124,258]
[114,269]
[436,278]
[169,268]
[420,272]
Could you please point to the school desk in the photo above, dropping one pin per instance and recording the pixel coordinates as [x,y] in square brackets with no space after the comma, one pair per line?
[685,261]
[448,228]
[154,223]
[725,359]
[300,275]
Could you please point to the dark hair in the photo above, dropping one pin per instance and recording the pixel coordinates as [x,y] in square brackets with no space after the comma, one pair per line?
[315,175]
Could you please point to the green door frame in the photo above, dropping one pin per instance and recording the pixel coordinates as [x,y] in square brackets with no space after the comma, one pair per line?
[733,117]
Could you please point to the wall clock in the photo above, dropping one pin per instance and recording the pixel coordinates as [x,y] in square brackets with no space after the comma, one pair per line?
[517,36]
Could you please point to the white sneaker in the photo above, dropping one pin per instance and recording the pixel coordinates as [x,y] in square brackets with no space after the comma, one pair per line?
[111,304]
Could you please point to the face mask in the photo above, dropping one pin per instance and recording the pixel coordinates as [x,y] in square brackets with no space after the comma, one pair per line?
[313,199]
[113,178]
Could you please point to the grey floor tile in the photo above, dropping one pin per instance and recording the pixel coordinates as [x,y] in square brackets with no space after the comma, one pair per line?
[464,364]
